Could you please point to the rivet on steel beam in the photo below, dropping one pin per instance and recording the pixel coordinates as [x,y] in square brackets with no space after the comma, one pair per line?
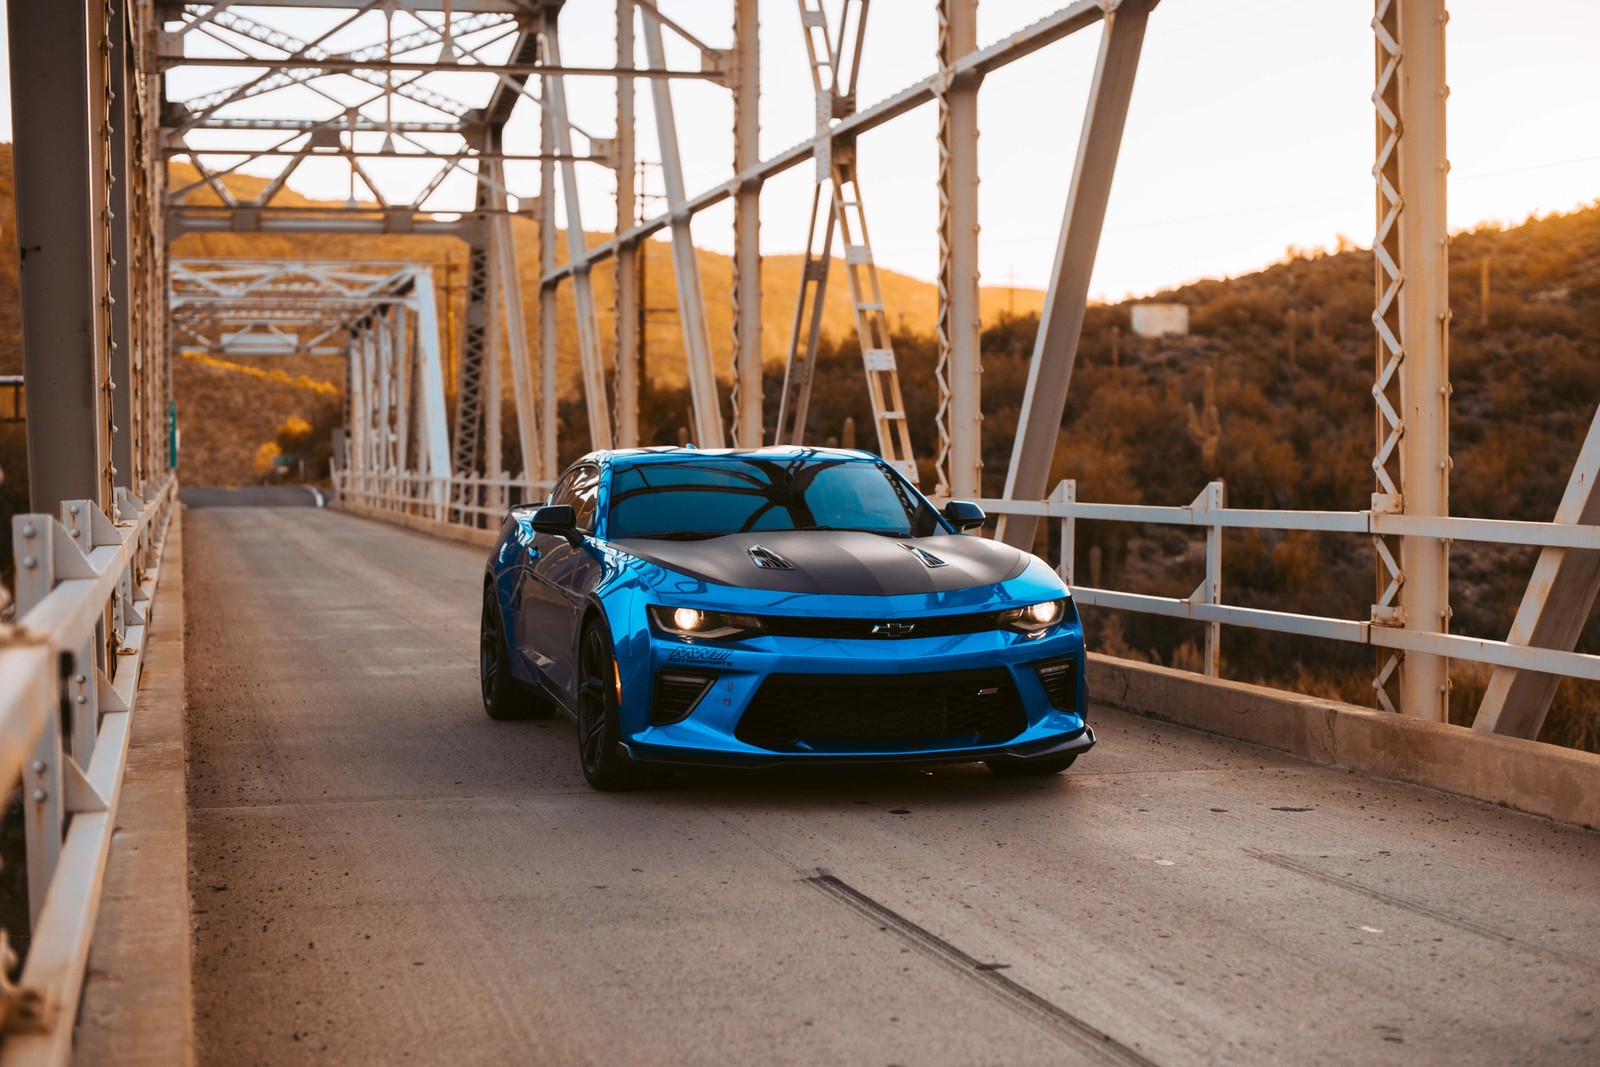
[80,678]
[72,509]
[75,533]
[82,699]
[39,795]
[27,530]
[28,563]
[38,766]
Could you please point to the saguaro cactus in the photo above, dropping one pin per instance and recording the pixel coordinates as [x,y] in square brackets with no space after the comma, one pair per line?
[1205,425]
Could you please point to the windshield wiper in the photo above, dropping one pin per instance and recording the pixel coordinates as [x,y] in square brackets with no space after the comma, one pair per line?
[680,535]
[857,529]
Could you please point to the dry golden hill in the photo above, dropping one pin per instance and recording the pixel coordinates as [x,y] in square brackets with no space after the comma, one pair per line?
[911,303]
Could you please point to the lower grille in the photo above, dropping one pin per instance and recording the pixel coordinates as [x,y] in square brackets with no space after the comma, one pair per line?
[1060,680]
[975,707]
[677,692]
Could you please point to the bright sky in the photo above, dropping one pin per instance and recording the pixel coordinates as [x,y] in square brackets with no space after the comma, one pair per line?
[1251,130]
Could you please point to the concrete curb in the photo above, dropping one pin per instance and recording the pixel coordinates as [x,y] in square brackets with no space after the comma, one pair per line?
[1559,783]
[432,527]
[138,1003]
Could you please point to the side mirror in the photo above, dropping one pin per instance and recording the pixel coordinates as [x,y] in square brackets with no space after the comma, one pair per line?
[964,515]
[558,519]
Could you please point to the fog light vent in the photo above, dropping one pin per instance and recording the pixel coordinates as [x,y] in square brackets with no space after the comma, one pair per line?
[677,692]
[1060,680]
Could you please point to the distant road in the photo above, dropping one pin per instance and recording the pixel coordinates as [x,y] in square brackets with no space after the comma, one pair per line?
[382,875]
[252,496]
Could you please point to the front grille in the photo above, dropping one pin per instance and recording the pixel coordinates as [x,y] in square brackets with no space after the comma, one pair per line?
[1060,680]
[677,692]
[863,629]
[974,707]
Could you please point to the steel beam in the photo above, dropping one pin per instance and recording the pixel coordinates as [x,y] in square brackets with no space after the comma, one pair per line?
[707,409]
[1554,610]
[59,164]
[554,98]
[1412,319]
[1024,42]
[747,365]
[503,245]
[548,339]
[433,431]
[340,65]
[626,275]
[960,463]
[126,384]
[1056,348]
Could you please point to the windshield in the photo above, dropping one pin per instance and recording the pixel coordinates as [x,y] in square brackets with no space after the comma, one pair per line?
[715,497]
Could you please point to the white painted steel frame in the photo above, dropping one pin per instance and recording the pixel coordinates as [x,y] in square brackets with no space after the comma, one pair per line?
[1205,606]
[78,577]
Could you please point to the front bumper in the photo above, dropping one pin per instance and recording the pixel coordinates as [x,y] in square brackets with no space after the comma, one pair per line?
[708,736]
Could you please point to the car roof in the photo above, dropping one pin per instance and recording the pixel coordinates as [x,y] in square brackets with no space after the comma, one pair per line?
[663,454]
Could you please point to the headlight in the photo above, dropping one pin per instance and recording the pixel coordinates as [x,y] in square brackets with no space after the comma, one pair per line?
[1035,618]
[706,625]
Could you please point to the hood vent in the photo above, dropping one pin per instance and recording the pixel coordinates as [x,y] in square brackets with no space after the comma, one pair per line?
[769,560]
[928,558]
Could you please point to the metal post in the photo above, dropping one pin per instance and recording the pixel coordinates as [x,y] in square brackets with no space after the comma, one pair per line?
[1067,493]
[503,247]
[626,278]
[547,295]
[708,429]
[1056,347]
[747,366]
[554,100]
[960,369]
[1412,320]
[432,427]
[1210,592]
[59,164]
[126,384]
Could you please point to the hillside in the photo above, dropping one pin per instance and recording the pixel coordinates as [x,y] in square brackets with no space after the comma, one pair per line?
[1283,358]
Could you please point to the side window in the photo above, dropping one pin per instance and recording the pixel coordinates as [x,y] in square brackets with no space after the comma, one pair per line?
[586,488]
[565,491]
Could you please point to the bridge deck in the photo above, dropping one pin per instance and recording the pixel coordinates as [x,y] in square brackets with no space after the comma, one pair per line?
[382,875]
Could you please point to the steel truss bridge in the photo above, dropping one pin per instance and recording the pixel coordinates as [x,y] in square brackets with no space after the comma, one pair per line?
[417,104]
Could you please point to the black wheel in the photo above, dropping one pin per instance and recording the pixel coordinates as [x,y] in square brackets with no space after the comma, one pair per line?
[604,766]
[503,696]
[1007,768]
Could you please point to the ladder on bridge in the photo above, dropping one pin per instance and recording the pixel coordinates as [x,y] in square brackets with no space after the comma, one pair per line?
[834,64]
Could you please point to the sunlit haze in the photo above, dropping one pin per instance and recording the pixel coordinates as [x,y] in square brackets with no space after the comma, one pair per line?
[1251,130]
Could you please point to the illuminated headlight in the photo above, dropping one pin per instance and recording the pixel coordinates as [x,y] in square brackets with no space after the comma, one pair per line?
[706,625]
[1035,618]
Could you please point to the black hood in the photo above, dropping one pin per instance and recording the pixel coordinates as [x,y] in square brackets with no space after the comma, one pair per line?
[838,563]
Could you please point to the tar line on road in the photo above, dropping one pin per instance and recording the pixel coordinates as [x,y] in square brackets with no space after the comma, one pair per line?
[1053,1018]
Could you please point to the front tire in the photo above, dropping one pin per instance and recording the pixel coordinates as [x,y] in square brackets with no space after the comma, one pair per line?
[504,698]
[1030,768]
[599,727]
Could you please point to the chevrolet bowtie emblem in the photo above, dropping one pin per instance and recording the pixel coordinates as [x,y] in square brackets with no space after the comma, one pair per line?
[893,629]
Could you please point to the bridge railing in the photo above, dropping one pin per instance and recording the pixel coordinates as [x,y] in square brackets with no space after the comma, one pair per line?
[69,671]
[477,502]
[1205,604]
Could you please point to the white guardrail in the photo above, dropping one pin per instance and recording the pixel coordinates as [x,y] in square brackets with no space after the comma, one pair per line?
[1205,603]
[477,502]
[467,501]
[69,669]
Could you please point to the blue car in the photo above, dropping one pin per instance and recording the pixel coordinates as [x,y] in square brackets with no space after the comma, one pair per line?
[748,608]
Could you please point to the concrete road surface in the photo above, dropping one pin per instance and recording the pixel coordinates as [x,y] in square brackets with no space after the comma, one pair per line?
[382,875]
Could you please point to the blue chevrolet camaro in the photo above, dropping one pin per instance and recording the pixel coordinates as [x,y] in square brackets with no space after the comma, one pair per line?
[746,608]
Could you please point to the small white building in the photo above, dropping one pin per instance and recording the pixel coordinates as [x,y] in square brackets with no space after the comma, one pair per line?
[1160,320]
